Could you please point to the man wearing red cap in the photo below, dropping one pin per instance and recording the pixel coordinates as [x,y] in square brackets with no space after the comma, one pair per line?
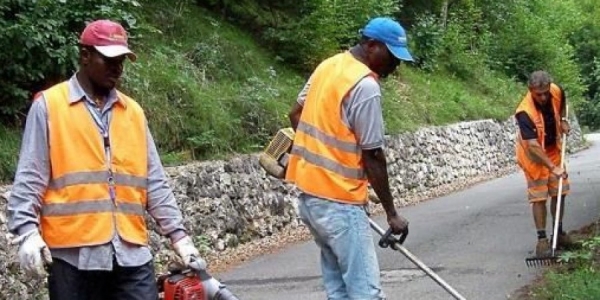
[88,173]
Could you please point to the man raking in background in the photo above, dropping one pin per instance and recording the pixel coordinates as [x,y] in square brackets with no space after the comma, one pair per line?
[541,120]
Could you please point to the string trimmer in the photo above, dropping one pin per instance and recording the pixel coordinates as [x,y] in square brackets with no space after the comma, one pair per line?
[395,243]
[273,160]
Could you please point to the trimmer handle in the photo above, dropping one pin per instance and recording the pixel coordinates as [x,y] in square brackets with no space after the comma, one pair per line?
[388,240]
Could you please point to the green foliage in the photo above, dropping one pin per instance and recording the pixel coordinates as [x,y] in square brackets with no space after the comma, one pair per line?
[589,111]
[440,98]
[532,38]
[425,41]
[585,256]
[581,281]
[304,33]
[38,43]
[9,152]
[327,28]
[202,242]
[207,88]
[210,90]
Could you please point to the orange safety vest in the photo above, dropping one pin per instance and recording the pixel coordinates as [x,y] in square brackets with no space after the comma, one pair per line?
[77,209]
[527,105]
[326,160]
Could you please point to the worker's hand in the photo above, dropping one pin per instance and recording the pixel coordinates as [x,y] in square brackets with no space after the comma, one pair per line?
[565,127]
[397,223]
[189,254]
[558,172]
[33,253]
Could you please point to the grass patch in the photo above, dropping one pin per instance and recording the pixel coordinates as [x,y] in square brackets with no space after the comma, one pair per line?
[579,279]
[416,98]
[9,152]
[208,88]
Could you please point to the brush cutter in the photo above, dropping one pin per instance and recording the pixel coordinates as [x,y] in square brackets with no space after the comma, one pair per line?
[553,259]
[388,240]
[181,283]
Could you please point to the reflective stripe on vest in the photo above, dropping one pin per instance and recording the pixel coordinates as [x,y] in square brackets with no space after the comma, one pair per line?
[77,207]
[326,160]
[527,105]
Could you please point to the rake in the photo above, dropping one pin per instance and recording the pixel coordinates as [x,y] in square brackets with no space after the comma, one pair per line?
[553,259]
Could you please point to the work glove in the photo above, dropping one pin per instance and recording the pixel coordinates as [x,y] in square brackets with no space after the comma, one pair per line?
[34,254]
[189,254]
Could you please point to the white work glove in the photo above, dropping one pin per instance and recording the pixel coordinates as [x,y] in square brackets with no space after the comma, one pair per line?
[33,253]
[189,254]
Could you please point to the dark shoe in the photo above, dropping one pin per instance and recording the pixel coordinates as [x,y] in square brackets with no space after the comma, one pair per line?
[542,248]
[565,242]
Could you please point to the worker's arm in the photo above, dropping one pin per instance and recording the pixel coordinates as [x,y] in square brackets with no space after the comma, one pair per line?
[296,111]
[162,205]
[528,133]
[32,174]
[295,114]
[375,165]
[539,155]
[365,119]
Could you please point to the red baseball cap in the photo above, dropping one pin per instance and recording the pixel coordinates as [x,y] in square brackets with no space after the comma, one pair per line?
[108,37]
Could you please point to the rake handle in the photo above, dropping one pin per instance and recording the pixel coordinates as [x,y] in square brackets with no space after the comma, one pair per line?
[560,188]
[418,263]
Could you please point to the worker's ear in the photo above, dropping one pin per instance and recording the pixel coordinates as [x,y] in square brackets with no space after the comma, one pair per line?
[371,46]
[85,55]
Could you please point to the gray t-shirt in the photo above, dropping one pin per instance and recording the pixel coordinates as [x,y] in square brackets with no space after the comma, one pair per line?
[361,112]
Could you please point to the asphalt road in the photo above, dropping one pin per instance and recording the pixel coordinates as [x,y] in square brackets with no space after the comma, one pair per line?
[476,240]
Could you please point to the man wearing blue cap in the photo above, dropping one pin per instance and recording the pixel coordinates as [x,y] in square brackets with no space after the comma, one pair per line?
[338,152]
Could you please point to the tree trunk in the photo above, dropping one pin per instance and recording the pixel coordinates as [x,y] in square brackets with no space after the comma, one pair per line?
[444,11]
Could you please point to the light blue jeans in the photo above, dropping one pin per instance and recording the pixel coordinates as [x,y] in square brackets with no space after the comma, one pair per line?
[348,259]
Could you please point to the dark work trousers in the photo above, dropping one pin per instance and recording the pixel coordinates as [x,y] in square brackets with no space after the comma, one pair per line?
[66,282]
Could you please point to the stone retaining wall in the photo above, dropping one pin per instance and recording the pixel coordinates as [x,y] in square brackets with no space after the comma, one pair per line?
[233,201]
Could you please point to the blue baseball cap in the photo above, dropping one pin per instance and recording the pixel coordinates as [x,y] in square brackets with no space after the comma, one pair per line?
[391,33]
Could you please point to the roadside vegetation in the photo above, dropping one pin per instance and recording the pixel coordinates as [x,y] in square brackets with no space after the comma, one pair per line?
[578,278]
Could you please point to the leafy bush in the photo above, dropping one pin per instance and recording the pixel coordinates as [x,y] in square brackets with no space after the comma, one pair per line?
[425,41]
[38,40]
[589,111]
[303,33]
[531,39]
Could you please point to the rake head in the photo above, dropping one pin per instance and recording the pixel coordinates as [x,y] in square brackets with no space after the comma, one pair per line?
[536,262]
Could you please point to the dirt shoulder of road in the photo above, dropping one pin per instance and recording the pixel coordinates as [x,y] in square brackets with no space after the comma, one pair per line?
[527,292]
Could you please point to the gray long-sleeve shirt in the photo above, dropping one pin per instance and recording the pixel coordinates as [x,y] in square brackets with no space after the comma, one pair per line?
[361,112]
[33,175]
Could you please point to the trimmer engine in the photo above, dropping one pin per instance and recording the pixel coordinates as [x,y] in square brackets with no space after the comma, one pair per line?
[273,159]
[180,284]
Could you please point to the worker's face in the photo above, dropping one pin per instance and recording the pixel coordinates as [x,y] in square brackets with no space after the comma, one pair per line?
[381,60]
[540,94]
[104,72]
